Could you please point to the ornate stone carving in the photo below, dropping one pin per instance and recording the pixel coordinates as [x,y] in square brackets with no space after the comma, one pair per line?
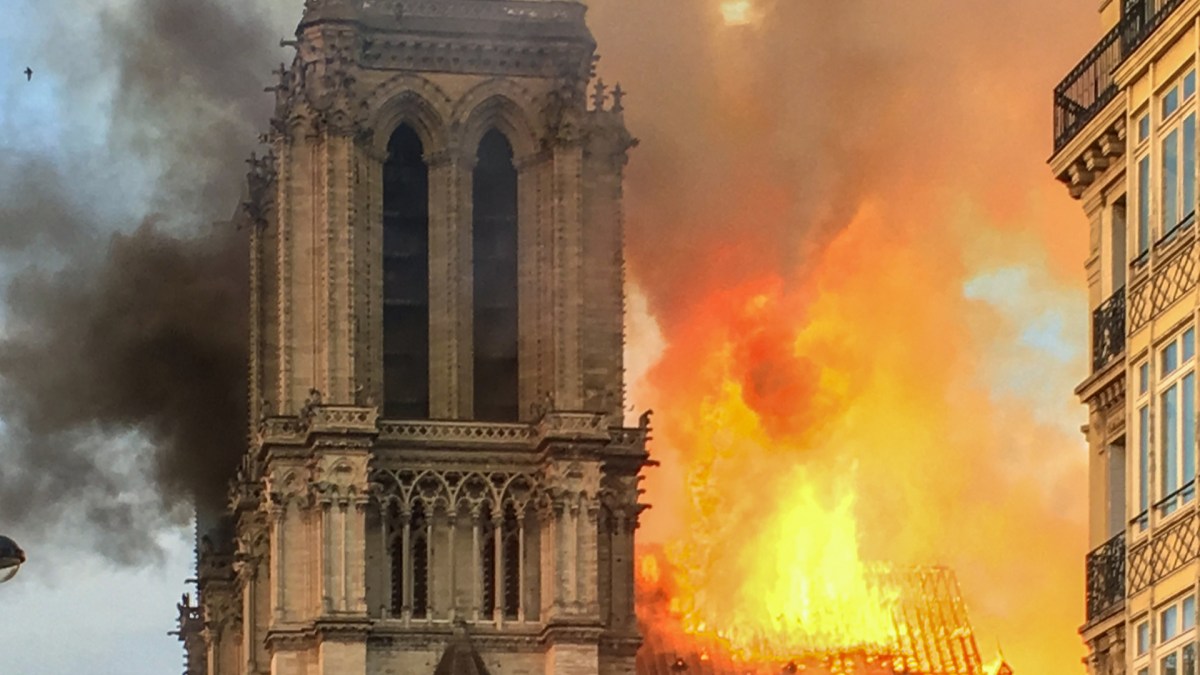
[286,486]
[563,111]
[281,430]
[343,418]
[456,433]
[571,481]
[338,478]
[453,491]
[574,426]
[320,92]
[190,631]
[253,546]
[260,183]
[222,611]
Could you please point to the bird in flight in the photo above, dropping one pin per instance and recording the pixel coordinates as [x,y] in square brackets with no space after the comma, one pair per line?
[28,74]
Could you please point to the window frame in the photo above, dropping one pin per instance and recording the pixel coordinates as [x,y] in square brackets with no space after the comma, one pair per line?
[1170,498]
[1143,445]
[1171,118]
[1174,123]
[1143,171]
[1183,639]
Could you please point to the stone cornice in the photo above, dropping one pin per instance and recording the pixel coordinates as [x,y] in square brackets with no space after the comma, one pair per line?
[305,635]
[524,638]
[1097,148]
[467,55]
[616,644]
[1103,384]
[572,633]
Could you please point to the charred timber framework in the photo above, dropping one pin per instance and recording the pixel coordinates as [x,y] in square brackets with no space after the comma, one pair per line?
[1089,87]
[930,635]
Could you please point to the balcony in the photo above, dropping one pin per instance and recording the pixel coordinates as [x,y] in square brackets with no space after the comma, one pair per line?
[1089,86]
[1108,331]
[1106,578]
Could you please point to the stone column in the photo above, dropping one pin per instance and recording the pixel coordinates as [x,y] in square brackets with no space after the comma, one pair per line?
[450,286]
[534,251]
[568,274]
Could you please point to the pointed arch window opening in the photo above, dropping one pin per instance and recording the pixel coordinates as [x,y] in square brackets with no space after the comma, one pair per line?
[397,548]
[406,278]
[419,582]
[488,565]
[494,266]
[510,545]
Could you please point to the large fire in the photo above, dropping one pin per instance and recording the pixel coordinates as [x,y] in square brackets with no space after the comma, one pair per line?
[865,313]
[778,583]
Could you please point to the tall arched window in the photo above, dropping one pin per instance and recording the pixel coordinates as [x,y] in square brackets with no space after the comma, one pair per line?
[495,268]
[406,278]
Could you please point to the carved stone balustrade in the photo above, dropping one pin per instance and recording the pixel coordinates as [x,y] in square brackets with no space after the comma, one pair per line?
[452,434]
[338,419]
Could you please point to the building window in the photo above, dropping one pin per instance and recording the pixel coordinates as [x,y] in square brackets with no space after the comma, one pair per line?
[1142,420]
[1178,154]
[405,278]
[1143,638]
[1143,172]
[495,271]
[1168,624]
[1144,176]
[1169,665]
[1176,401]
[1176,637]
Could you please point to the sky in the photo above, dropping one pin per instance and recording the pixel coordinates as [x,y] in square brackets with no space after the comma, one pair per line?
[891,306]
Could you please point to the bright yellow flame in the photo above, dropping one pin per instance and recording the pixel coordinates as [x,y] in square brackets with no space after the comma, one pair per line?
[809,586]
[650,573]
[737,12]
[781,578]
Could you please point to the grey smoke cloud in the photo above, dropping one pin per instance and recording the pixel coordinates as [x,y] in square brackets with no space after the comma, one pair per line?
[122,355]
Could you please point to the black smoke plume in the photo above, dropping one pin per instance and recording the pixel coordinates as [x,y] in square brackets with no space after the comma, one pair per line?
[122,356]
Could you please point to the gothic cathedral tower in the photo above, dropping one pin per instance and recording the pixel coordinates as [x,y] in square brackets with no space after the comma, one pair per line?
[438,480]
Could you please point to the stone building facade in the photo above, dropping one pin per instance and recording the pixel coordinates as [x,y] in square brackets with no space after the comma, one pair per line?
[1125,147]
[438,477]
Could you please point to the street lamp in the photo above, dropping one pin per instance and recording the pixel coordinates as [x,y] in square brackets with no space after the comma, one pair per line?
[11,558]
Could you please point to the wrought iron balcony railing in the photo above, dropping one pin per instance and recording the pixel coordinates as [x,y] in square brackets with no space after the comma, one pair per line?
[1089,86]
[1106,577]
[1108,330]
[1086,89]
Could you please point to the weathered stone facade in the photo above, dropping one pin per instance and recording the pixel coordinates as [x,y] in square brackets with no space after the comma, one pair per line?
[368,545]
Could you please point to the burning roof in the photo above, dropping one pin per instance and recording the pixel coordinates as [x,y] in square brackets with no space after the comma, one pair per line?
[930,634]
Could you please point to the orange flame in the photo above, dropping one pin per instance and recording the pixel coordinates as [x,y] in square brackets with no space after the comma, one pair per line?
[868,312]
[778,584]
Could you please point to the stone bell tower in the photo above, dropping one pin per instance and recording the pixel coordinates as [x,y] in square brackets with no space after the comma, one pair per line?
[438,480]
